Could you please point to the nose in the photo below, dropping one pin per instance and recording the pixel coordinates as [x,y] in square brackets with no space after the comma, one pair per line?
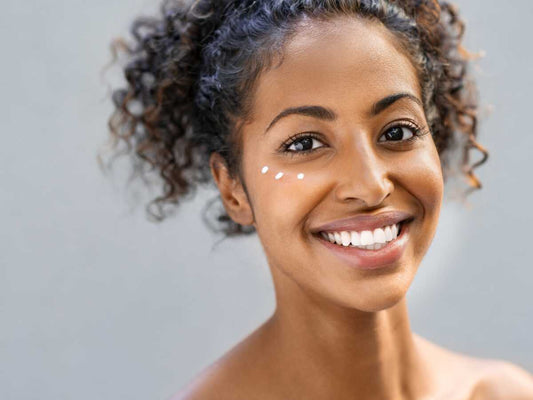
[363,175]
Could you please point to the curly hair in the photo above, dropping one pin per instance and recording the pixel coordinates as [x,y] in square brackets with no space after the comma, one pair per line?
[191,73]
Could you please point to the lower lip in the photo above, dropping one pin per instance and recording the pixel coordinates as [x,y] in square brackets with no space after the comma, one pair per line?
[371,259]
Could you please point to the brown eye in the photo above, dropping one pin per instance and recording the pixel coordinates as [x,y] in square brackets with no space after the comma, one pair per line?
[304,144]
[399,133]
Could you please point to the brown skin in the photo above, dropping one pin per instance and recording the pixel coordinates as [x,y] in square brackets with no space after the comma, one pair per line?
[339,332]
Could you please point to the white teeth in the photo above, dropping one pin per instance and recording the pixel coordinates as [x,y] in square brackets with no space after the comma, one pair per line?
[367,238]
[372,240]
[346,238]
[388,233]
[379,236]
[356,239]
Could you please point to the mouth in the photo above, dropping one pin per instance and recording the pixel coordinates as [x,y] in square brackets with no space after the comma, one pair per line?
[379,248]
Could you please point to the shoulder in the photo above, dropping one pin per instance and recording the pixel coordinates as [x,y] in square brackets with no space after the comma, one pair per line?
[224,379]
[503,380]
[217,382]
[462,376]
[205,386]
[238,375]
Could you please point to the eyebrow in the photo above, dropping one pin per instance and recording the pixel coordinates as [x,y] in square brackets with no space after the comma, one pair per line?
[328,114]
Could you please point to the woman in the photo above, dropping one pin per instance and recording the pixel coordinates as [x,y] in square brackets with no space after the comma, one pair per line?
[327,127]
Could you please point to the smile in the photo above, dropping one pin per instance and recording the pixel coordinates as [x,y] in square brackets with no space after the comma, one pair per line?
[369,240]
[368,249]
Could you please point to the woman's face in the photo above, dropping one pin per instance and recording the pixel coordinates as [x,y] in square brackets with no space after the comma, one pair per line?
[351,159]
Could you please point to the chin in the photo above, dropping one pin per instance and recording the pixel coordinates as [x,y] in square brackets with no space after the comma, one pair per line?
[375,296]
[379,303]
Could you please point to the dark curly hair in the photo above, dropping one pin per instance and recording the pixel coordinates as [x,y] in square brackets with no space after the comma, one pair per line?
[191,72]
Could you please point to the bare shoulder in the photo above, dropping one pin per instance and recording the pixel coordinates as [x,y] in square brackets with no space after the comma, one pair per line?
[477,378]
[504,380]
[207,385]
[236,375]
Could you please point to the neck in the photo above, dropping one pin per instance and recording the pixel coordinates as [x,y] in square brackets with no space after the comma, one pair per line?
[327,351]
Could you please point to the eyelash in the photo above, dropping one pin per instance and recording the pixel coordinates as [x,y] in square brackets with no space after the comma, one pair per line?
[417,133]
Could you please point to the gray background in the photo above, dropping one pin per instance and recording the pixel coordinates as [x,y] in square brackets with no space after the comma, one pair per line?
[98,303]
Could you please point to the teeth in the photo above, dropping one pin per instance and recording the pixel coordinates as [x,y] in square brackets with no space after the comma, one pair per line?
[394,231]
[371,240]
[356,239]
[346,238]
[388,234]
[379,236]
[366,238]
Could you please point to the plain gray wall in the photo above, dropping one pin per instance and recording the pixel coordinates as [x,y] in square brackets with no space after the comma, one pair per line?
[98,303]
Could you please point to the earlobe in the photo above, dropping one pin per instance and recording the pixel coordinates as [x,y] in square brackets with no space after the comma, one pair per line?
[231,190]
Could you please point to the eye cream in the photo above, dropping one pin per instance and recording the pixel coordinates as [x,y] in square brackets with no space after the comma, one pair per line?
[264,170]
[300,176]
[279,175]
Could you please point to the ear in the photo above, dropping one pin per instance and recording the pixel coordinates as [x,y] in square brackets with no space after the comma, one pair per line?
[231,191]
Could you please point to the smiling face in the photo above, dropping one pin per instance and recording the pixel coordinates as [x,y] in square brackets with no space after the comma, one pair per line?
[363,147]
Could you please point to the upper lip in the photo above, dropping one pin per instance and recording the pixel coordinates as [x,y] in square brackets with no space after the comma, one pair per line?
[364,222]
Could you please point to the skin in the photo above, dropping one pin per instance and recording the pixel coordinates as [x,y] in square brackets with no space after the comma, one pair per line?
[339,332]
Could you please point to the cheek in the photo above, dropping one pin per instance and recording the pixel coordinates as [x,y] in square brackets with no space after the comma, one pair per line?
[283,195]
[424,172]
[421,176]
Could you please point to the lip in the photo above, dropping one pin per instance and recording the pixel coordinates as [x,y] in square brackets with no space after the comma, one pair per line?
[371,259]
[364,222]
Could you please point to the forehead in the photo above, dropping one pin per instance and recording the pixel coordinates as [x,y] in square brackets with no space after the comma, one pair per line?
[346,62]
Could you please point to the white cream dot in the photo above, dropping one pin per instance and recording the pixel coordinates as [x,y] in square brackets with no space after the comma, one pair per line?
[279,175]
[300,176]
[264,170]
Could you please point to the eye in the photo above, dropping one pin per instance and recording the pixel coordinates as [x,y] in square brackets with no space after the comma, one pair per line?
[401,133]
[302,143]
